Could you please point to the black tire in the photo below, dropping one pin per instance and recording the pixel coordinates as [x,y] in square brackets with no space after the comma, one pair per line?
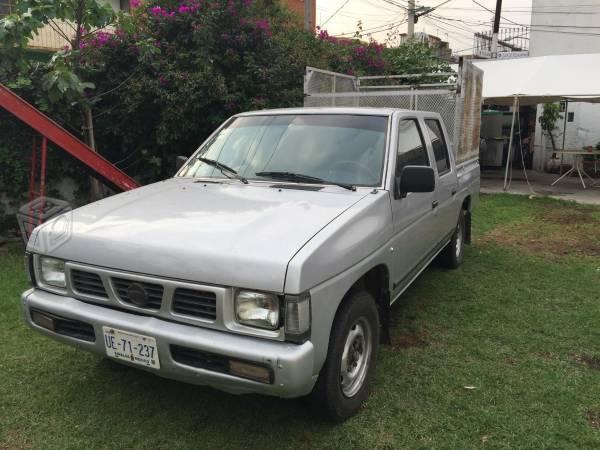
[330,396]
[454,253]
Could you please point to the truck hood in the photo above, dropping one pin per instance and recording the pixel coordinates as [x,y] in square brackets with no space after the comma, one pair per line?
[227,234]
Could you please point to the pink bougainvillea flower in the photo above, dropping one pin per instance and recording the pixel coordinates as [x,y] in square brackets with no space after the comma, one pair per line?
[156,11]
[360,51]
[263,26]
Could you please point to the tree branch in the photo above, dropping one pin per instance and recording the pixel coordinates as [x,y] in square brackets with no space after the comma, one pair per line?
[57,29]
[115,88]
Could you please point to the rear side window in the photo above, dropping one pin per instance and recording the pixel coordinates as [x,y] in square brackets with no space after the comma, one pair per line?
[440,150]
[411,147]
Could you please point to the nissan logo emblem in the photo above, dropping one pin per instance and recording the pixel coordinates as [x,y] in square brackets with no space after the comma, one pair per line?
[137,295]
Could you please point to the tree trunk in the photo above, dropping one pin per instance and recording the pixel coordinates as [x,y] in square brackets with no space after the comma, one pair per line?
[96,186]
[553,144]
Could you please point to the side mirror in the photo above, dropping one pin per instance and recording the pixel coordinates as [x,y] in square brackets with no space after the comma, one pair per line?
[179,162]
[414,179]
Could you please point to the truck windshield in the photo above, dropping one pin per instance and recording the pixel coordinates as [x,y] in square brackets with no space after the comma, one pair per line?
[334,148]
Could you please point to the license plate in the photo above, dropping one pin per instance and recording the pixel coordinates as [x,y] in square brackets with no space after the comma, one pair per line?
[132,347]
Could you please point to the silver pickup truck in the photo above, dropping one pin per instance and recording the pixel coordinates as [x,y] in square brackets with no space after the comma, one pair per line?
[269,263]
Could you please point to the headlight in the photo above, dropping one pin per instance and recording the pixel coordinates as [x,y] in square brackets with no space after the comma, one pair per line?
[52,272]
[257,309]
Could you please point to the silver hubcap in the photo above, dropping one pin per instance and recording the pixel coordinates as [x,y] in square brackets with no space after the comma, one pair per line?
[356,357]
[458,248]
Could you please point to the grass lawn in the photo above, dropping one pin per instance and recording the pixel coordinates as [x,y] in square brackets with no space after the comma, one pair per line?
[504,352]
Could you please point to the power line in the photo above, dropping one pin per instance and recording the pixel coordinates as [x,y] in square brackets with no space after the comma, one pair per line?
[387,26]
[564,26]
[437,6]
[335,12]
[471,23]
[386,7]
[394,3]
[494,12]
[449,32]
[441,19]
[565,32]
[523,11]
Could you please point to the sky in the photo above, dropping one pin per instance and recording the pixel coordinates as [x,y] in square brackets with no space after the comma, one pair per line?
[454,21]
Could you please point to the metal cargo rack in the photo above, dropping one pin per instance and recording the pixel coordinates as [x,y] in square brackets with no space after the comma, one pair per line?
[456,96]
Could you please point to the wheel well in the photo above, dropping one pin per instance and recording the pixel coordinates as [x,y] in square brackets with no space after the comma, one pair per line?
[466,206]
[377,281]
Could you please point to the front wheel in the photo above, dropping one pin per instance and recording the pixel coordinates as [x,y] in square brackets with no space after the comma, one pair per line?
[344,380]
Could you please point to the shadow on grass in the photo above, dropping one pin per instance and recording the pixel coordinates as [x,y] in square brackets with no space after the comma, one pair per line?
[143,404]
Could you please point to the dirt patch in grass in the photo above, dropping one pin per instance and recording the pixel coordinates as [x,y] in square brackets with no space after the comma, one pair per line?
[593,418]
[410,339]
[17,441]
[567,215]
[546,355]
[593,362]
[556,230]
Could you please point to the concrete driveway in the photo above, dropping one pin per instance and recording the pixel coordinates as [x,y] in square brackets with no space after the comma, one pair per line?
[492,182]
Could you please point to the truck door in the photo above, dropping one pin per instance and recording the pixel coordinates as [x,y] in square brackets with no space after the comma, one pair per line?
[413,215]
[446,214]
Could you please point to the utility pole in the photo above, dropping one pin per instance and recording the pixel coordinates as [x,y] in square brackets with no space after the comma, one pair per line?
[308,15]
[496,28]
[411,19]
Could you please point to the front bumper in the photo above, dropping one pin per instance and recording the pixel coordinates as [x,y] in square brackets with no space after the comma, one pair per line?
[291,365]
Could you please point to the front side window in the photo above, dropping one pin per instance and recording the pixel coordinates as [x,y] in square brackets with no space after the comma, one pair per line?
[440,150]
[335,148]
[411,148]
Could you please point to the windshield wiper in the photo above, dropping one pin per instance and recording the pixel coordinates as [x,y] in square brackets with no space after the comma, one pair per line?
[223,168]
[298,177]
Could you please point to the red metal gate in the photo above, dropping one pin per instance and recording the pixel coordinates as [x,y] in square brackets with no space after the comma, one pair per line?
[50,130]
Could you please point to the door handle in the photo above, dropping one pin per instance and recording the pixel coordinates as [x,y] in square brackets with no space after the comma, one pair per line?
[453,191]
[434,204]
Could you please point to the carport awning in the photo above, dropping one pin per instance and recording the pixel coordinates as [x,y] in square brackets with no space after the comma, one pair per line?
[541,79]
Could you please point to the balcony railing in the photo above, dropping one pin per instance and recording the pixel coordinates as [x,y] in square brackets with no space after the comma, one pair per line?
[511,41]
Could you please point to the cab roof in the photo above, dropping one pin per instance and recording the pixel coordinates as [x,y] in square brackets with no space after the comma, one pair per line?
[326,110]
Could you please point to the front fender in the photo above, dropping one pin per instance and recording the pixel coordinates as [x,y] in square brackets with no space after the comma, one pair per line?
[332,261]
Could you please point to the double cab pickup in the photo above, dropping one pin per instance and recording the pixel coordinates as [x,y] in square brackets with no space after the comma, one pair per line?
[269,263]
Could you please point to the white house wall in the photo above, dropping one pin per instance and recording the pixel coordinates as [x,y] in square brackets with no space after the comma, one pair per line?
[553,33]
[583,131]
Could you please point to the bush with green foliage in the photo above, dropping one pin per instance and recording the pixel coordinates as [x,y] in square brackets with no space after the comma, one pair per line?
[171,71]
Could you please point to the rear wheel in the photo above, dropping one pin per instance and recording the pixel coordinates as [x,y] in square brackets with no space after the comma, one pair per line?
[344,380]
[453,254]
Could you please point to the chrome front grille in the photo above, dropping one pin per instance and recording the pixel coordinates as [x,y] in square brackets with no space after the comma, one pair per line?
[175,300]
[88,283]
[154,292]
[195,303]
